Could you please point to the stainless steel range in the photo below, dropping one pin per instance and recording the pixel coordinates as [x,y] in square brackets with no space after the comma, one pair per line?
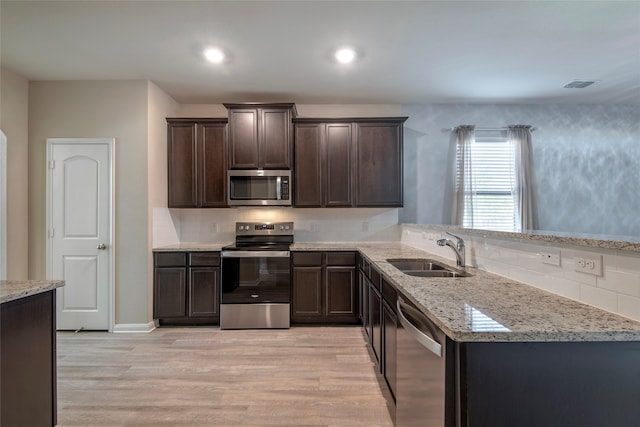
[256,277]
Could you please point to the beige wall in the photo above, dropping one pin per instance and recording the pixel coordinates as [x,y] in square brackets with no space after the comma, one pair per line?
[160,106]
[304,110]
[14,122]
[349,110]
[91,109]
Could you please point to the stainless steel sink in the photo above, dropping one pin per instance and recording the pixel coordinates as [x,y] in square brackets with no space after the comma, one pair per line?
[424,267]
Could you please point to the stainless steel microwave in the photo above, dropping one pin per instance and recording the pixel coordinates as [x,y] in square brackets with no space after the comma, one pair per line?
[259,187]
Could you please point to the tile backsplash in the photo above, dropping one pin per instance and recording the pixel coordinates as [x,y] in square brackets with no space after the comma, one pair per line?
[172,226]
[616,290]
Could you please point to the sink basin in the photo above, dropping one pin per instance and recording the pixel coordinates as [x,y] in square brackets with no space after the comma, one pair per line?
[424,267]
[436,273]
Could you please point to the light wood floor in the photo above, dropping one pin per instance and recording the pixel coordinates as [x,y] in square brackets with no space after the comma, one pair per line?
[304,376]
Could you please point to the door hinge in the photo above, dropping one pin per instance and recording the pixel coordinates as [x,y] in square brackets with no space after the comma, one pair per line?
[51,233]
[52,164]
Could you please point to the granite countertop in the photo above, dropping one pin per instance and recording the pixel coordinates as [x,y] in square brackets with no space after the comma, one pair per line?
[11,290]
[490,308]
[192,247]
[600,241]
[483,307]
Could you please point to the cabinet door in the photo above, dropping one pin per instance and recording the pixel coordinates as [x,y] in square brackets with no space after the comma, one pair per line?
[213,165]
[337,176]
[169,292]
[274,138]
[308,160]
[341,293]
[306,298]
[390,322]
[379,164]
[204,291]
[181,144]
[243,138]
[376,323]
[28,368]
[366,318]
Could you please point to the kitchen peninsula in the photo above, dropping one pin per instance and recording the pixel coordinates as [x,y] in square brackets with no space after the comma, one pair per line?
[28,352]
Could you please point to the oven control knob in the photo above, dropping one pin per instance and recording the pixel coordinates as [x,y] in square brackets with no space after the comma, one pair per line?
[286,227]
[282,228]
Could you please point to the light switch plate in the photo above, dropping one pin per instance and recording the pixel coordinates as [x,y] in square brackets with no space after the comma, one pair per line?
[588,263]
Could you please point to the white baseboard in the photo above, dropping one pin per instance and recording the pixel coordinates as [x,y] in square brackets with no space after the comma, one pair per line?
[133,328]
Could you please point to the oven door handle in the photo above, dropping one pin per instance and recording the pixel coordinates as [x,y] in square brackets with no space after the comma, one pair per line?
[255,254]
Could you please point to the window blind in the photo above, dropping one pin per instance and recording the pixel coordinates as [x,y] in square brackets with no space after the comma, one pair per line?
[491,202]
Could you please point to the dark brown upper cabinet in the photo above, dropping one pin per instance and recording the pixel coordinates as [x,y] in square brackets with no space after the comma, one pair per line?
[197,162]
[260,135]
[323,161]
[378,177]
[348,162]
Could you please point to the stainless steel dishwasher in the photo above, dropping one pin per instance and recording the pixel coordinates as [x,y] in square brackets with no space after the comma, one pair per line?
[421,397]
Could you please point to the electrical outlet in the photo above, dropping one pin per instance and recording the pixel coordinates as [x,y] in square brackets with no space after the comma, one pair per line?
[589,264]
[213,228]
[313,228]
[365,226]
[550,258]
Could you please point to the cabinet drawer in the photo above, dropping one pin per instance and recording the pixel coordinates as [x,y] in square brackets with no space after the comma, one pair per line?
[308,259]
[389,293]
[341,258]
[366,267]
[376,278]
[170,259]
[204,258]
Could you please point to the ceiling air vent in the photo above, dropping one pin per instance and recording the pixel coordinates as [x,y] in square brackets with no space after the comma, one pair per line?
[579,84]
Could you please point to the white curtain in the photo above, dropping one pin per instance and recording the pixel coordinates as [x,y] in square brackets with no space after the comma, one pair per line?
[520,137]
[464,137]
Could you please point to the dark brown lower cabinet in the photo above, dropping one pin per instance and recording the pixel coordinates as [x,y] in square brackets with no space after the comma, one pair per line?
[28,361]
[375,313]
[306,297]
[324,288]
[186,287]
[389,337]
[529,384]
[379,322]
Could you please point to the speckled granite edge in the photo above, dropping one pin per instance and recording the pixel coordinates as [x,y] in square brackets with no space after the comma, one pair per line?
[192,247]
[11,290]
[620,243]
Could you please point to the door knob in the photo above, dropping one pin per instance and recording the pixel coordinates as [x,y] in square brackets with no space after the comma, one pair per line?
[102,246]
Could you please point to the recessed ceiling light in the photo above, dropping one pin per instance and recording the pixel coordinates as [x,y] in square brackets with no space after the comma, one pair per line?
[214,55]
[345,55]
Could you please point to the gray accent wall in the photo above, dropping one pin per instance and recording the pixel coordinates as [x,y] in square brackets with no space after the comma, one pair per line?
[586,163]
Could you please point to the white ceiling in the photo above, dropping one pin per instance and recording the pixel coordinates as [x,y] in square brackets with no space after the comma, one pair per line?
[412,52]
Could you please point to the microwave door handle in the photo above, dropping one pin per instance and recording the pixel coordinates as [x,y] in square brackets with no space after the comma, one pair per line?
[278,188]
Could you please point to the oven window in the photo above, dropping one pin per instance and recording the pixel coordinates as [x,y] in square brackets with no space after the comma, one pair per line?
[253,188]
[255,280]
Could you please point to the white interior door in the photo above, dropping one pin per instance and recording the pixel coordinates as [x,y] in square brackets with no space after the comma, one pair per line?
[80,249]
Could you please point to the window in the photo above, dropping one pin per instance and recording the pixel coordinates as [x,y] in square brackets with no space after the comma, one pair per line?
[491,199]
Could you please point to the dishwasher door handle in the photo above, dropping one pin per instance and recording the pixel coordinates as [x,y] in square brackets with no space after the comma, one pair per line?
[425,340]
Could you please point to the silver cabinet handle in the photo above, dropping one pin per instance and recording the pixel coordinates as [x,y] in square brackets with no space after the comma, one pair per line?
[425,340]
[279,188]
[102,246]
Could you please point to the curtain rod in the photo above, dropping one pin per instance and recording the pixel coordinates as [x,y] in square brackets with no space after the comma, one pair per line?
[486,129]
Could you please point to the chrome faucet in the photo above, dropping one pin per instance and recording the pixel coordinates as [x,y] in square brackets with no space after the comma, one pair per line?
[457,247]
